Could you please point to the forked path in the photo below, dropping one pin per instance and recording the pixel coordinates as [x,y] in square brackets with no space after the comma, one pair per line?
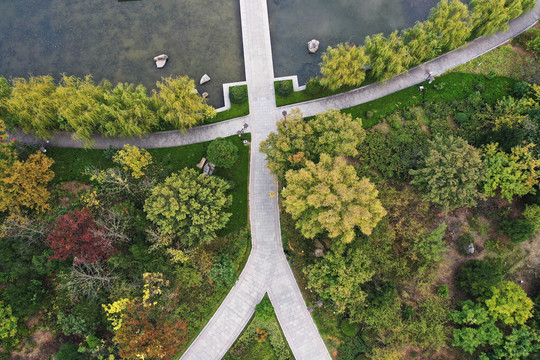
[267,270]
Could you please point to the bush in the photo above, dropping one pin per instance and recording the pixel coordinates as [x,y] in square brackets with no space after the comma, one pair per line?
[313,86]
[521,89]
[463,243]
[461,118]
[238,94]
[532,214]
[352,348]
[407,312]
[222,153]
[477,277]
[264,310]
[284,88]
[70,352]
[348,328]
[491,74]
[518,230]
[442,290]
[223,273]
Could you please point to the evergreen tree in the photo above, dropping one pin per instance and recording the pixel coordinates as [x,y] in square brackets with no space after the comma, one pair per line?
[449,173]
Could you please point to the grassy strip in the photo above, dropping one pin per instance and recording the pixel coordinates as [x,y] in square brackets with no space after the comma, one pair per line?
[257,350]
[505,61]
[70,164]
[301,96]
[452,86]
[236,110]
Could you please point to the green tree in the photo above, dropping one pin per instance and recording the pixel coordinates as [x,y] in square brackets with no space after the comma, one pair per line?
[129,111]
[449,23]
[490,16]
[449,173]
[388,56]
[520,344]
[421,44]
[298,140]
[344,65]
[511,174]
[81,106]
[34,105]
[479,328]
[330,197]
[189,205]
[478,277]
[338,277]
[5,91]
[180,104]
[133,160]
[509,304]
[222,153]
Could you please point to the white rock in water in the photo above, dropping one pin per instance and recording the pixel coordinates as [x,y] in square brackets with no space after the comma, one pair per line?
[205,95]
[161,60]
[205,78]
[313,46]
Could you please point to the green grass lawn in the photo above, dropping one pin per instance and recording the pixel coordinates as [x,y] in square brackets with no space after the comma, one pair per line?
[70,164]
[452,86]
[505,61]
[236,110]
[274,347]
[301,96]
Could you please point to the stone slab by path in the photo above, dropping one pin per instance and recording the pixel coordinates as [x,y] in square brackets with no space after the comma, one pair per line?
[419,74]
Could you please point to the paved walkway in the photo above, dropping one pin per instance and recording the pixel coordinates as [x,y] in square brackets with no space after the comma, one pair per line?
[267,269]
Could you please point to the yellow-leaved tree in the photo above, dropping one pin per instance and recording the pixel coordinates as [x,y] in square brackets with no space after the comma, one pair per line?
[330,197]
[133,159]
[24,183]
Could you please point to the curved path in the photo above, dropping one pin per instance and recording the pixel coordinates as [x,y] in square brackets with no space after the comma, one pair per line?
[267,269]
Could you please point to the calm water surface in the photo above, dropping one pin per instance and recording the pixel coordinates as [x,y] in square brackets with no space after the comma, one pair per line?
[118,40]
[294,22]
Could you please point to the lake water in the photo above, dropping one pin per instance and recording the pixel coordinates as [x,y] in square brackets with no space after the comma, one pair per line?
[295,22]
[117,40]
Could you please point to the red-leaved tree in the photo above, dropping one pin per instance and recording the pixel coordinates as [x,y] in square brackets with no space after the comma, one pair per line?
[76,235]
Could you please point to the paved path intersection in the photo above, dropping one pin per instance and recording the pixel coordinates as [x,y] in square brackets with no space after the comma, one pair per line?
[267,270]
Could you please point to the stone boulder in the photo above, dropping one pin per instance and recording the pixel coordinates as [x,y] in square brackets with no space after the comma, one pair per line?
[205,78]
[313,46]
[205,95]
[161,60]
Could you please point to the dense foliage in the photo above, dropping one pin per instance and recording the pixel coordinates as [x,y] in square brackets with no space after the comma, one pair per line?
[39,106]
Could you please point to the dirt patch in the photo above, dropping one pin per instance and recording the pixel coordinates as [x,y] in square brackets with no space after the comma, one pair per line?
[69,191]
[41,346]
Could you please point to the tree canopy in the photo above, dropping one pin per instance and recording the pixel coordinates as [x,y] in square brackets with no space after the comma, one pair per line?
[344,65]
[180,103]
[299,140]
[189,205]
[329,197]
[449,173]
